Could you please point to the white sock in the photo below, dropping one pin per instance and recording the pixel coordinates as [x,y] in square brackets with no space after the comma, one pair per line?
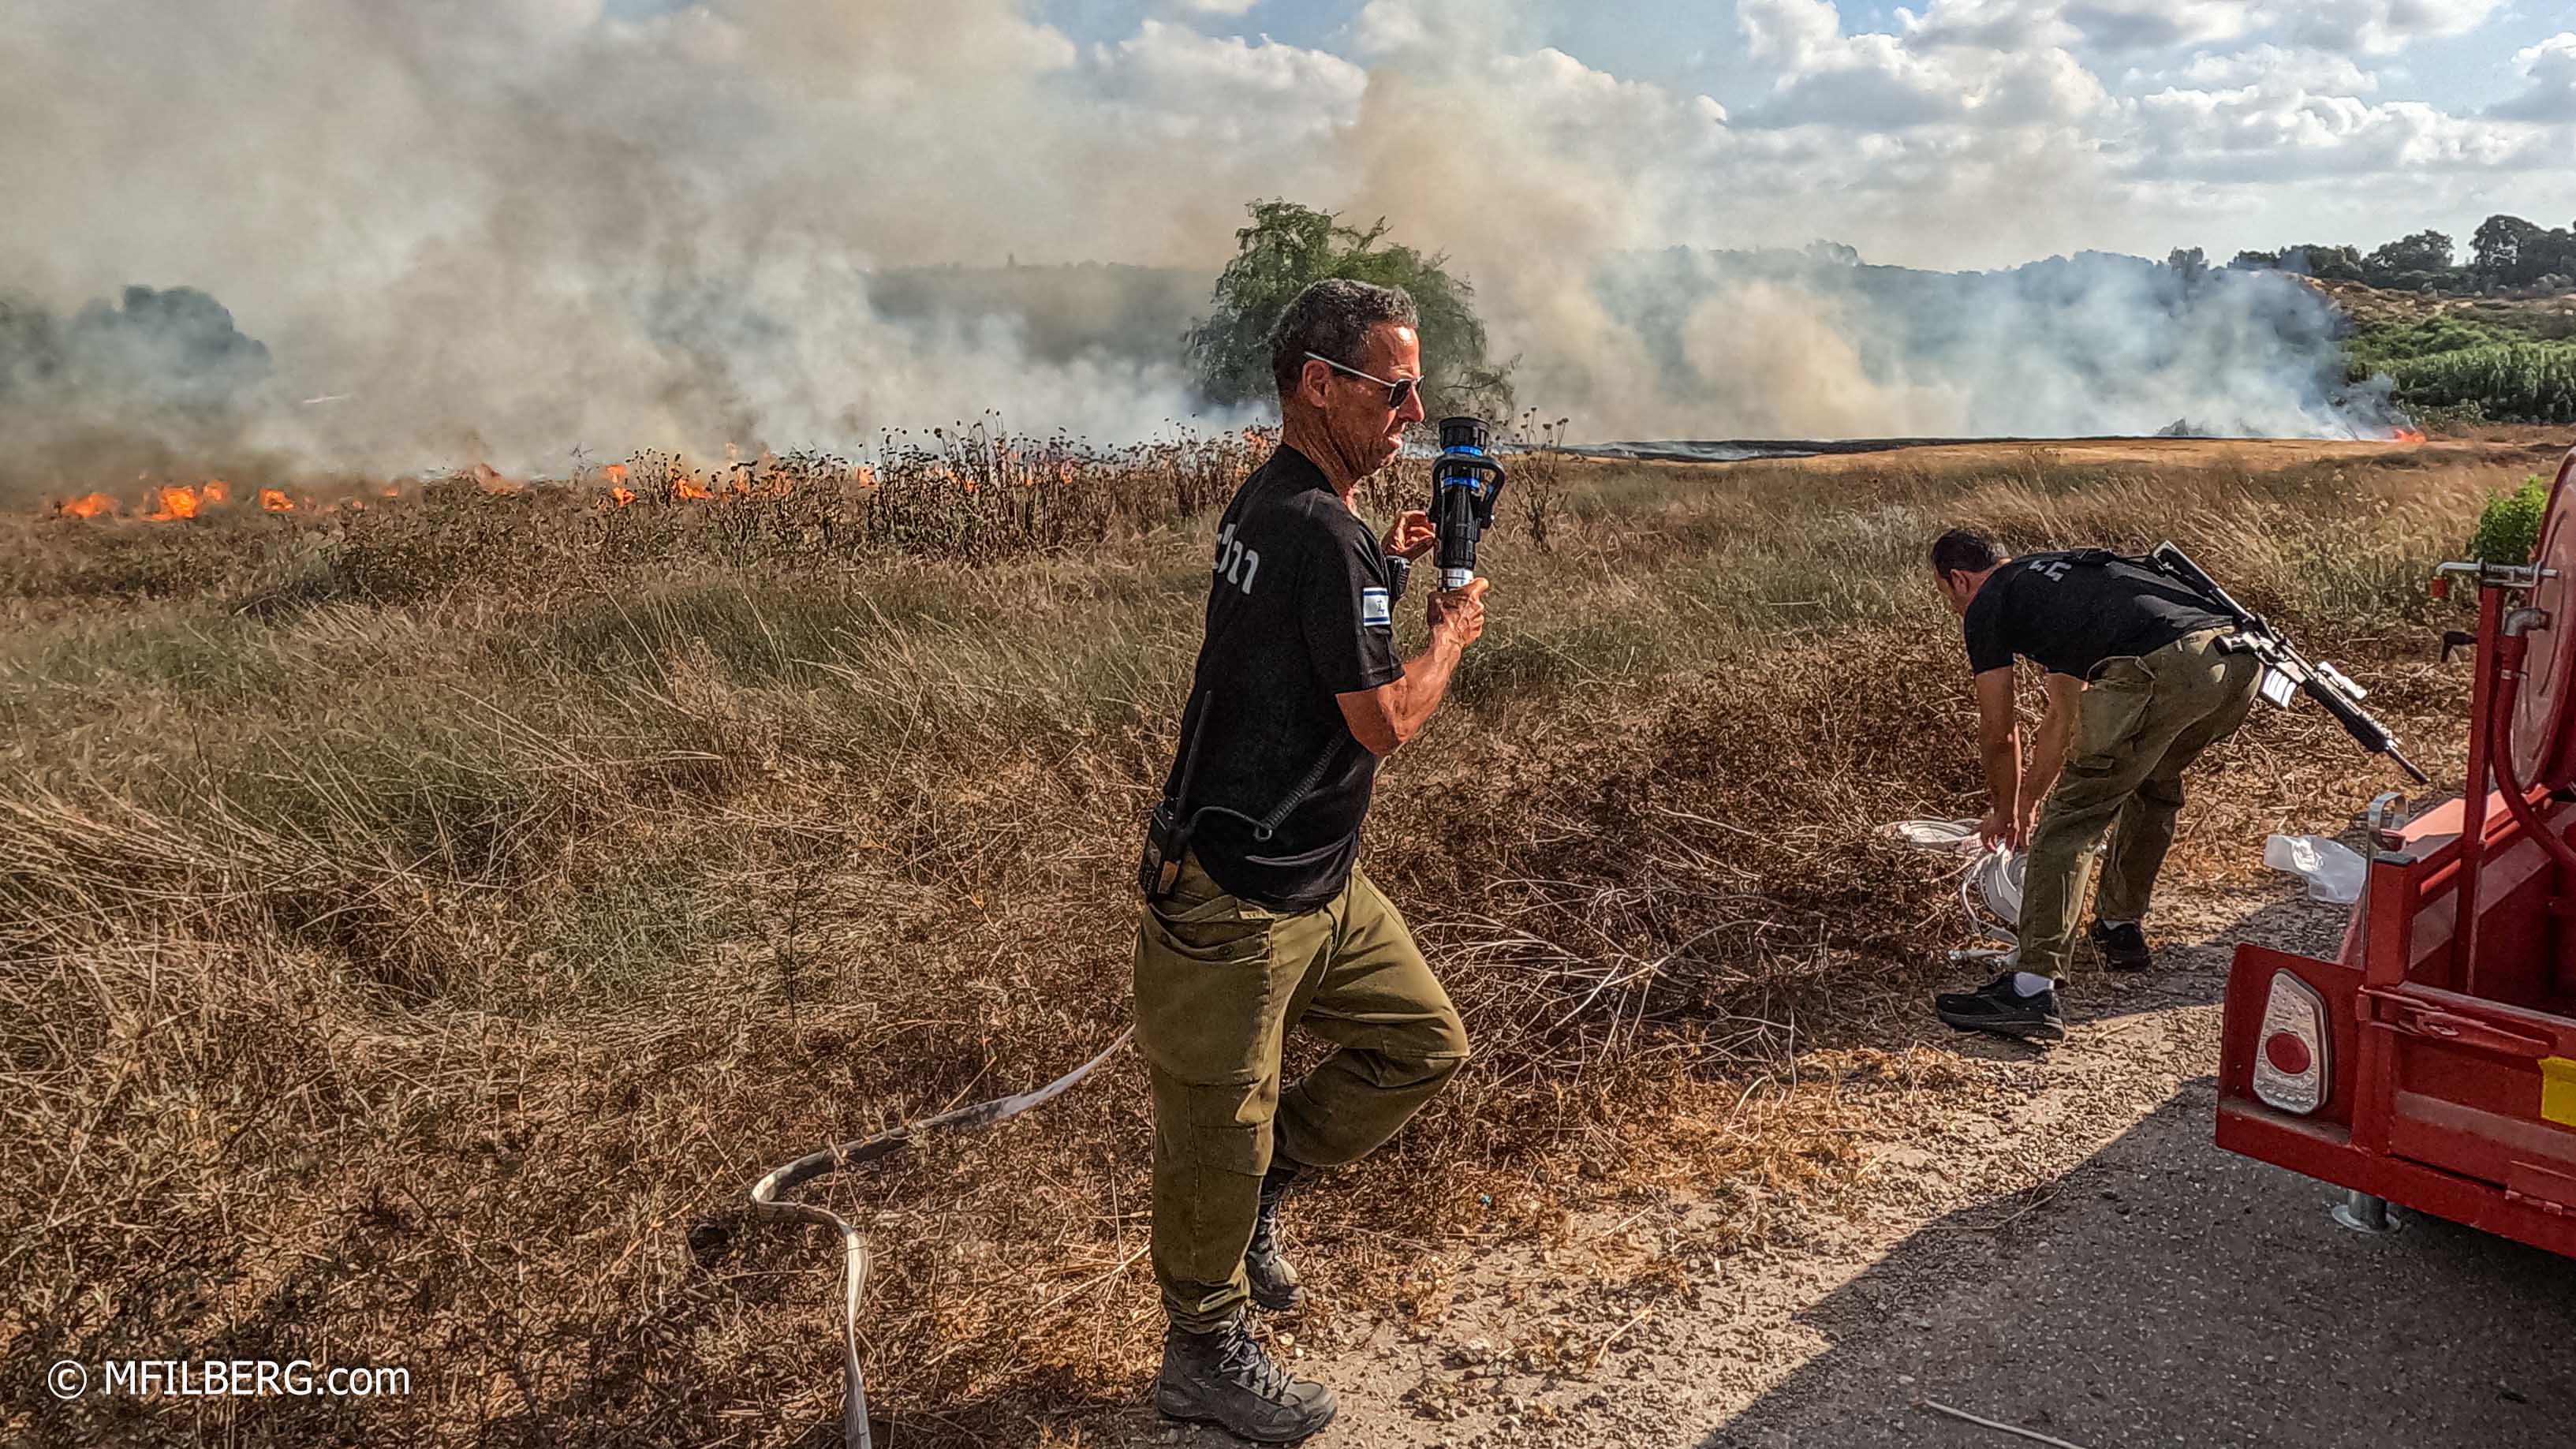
[2027,984]
[2107,925]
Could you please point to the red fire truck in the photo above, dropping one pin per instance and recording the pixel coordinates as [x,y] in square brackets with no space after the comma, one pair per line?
[2433,1063]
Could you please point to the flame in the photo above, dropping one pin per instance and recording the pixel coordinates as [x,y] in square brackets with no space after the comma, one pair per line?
[215,491]
[276,501]
[623,494]
[691,488]
[177,501]
[864,475]
[614,473]
[2409,435]
[90,506]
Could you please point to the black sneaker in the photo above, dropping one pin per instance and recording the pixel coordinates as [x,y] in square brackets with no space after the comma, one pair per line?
[2123,947]
[1998,1008]
[1226,1379]
[1274,1278]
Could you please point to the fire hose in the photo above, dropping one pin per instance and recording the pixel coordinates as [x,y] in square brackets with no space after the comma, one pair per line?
[2510,652]
[1989,882]
[824,1161]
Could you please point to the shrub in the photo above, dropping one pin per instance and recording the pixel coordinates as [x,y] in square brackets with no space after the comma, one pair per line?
[2509,525]
[2386,344]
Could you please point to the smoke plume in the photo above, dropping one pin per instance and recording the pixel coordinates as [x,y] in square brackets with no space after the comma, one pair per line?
[495,231]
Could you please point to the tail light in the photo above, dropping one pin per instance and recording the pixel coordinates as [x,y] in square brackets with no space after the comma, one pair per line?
[2290,1066]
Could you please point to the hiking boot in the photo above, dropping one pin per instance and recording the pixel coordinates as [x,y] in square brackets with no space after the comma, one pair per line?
[2122,946]
[1226,1379]
[1274,1278]
[1998,1008]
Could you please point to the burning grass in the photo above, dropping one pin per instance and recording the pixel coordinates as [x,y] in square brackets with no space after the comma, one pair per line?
[421,921]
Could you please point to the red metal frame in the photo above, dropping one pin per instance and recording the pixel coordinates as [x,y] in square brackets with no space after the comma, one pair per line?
[2474,803]
[2458,976]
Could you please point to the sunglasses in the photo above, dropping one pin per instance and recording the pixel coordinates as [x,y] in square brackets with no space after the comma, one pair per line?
[1398,392]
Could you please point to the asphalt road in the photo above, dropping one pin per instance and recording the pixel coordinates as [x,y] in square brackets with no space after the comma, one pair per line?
[2170,1293]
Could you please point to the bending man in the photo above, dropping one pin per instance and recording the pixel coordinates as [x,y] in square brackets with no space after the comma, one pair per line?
[2137,688]
[1270,923]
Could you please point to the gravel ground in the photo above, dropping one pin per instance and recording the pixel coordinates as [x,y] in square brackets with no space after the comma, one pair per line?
[2057,1246]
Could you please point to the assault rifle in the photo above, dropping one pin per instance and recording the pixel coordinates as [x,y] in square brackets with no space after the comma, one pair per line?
[2287,672]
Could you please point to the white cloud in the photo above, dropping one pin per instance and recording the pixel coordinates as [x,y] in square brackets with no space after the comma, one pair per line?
[2377,27]
[1789,32]
[1445,31]
[1200,90]
[2268,65]
[2135,25]
[1990,89]
[2550,69]
[2343,26]
[1942,72]
[2257,134]
[1999,25]
[1204,9]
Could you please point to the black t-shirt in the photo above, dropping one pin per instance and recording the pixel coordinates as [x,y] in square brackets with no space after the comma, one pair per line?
[2069,616]
[1300,610]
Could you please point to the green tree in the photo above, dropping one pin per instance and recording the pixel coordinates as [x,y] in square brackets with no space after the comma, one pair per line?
[1288,246]
[2506,249]
[2332,264]
[2409,261]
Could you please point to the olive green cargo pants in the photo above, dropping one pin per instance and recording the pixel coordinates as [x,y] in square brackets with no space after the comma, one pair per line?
[2142,721]
[1218,983]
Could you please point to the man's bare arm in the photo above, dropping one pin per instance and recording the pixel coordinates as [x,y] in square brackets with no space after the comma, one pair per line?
[1999,750]
[2048,746]
[1386,717]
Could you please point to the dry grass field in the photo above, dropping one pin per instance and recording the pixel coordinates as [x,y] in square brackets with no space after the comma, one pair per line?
[421,921]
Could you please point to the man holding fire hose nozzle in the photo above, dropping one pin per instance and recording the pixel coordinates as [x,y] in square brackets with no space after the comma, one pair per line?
[2141,680]
[1257,916]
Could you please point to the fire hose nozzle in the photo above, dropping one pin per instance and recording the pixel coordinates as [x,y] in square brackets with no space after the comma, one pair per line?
[1465,482]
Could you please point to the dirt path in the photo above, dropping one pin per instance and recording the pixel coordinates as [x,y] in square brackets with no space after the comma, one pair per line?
[2058,1245]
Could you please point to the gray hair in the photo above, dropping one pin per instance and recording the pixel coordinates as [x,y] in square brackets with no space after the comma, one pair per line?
[1332,318]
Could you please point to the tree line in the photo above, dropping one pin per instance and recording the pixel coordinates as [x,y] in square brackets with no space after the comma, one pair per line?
[2491,369]
[2506,254]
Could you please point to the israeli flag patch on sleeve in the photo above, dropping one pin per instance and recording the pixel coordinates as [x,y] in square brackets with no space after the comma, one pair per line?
[1374,612]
